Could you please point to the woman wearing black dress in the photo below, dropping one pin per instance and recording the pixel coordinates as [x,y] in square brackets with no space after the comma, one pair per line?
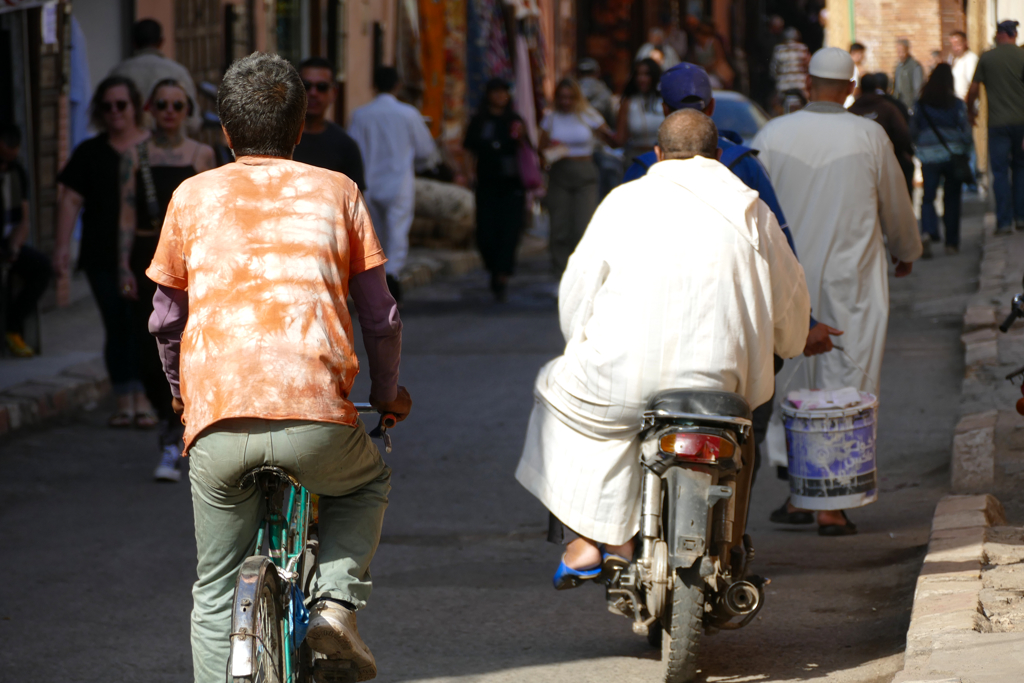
[492,141]
[150,175]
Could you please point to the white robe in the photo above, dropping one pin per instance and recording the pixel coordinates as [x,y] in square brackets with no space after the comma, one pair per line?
[837,179]
[683,279]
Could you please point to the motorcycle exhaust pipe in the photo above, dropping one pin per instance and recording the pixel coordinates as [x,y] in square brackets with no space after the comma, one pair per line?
[741,598]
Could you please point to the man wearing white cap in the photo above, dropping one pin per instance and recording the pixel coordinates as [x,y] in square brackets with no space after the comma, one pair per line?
[838,180]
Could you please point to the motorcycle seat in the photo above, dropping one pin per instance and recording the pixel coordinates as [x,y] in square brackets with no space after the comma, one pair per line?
[700,402]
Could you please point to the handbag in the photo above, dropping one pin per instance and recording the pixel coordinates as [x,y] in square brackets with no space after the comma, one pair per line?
[962,172]
[529,167]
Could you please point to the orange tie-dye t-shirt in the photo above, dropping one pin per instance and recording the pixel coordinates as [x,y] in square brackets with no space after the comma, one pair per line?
[265,248]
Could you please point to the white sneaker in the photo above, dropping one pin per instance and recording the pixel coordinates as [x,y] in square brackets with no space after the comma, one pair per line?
[170,463]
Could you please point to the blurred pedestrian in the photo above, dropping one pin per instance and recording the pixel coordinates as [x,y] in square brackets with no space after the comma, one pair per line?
[875,105]
[942,142]
[656,41]
[838,180]
[147,66]
[153,170]
[90,184]
[709,53]
[789,64]
[1000,71]
[324,143]
[492,145]
[31,267]
[881,82]
[857,54]
[392,138]
[963,61]
[599,95]
[567,137]
[640,111]
[908,77]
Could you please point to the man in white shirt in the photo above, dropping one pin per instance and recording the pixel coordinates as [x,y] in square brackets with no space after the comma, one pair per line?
[636,323]
[148,66]
[393,139]
[963,61]
[838,180]
[656,41]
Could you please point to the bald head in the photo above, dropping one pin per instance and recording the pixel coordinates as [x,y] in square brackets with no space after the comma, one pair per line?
[687,133]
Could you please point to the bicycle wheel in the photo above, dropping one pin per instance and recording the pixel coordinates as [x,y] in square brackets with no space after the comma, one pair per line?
[257,624]
[680,640]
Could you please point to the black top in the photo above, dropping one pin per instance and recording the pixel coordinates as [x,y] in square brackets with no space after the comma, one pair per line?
[10,216]
[165,181]
[334,150]
[489,138]
[92,171]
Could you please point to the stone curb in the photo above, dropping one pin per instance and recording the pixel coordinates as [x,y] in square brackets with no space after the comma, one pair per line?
[947,599]
[83,385]
[30,403]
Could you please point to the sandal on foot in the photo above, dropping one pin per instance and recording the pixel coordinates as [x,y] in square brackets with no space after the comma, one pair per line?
[146,419]
[848,529]
[122,419]
[612,561]
[784,516]
[566,577]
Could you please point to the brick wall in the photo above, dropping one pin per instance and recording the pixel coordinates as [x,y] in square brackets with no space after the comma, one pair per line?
[925,23]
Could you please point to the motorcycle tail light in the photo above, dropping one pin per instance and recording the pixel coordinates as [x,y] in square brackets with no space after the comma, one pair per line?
[704,448]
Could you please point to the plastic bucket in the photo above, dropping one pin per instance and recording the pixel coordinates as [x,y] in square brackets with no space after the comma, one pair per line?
[832,455]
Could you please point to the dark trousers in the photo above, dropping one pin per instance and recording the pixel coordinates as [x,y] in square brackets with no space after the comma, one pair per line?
[499,221]
[151,368]
[32,271]
[1006,159]
[120,349]
[951,193]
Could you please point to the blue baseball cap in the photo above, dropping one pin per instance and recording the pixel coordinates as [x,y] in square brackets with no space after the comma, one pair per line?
[686,86]
[1009,27]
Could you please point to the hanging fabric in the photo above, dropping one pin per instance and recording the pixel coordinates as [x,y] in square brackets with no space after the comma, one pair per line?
[432,51]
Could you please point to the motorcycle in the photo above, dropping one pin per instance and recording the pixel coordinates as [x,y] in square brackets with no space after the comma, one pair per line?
[690,571]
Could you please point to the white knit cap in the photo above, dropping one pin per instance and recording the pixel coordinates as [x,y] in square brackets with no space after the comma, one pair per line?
[833,63]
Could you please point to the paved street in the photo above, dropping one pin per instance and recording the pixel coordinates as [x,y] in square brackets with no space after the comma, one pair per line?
[100,559]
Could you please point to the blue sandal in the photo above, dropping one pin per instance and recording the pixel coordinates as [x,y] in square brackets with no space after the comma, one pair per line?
[567,577]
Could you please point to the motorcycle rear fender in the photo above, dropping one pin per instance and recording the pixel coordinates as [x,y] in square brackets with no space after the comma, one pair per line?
[690,497]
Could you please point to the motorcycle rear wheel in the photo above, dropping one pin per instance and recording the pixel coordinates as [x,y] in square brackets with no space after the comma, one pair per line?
[680,641]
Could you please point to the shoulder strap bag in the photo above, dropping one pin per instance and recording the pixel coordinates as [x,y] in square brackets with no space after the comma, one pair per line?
[961,164]
[152,205]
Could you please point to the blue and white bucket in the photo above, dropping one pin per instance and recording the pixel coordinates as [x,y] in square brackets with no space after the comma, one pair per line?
[832,455]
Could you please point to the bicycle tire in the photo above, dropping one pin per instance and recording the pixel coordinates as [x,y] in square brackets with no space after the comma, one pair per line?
[680,641]
[257,624]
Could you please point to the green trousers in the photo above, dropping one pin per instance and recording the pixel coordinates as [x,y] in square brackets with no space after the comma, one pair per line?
[340,464]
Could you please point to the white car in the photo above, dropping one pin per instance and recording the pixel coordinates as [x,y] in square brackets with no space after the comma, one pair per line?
[737,113]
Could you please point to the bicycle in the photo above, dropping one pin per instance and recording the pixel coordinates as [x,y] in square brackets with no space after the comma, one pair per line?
[269,615]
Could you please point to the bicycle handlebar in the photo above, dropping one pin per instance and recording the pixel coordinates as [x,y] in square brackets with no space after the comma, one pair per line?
[387,421]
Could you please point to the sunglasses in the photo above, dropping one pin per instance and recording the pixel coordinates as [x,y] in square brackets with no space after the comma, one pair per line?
[176,105]
[321,87]
[109,106]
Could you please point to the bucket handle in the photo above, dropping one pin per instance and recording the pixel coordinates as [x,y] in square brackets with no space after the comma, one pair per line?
[874,385]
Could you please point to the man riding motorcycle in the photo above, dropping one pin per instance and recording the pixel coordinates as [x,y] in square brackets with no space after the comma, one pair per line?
[676,282]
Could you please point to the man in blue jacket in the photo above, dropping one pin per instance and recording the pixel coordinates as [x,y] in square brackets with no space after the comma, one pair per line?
[687,86]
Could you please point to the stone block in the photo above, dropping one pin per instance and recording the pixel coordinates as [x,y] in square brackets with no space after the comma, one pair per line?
[952,571]
[978,317]
[39,395]
[979,336]
[938,585]
[955,550]
[944,603]
[982,352]
[973,466]
[962,620]
[986,503]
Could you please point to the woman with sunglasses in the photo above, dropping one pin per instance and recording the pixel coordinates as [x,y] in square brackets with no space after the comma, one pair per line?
[90,186]
[151,173]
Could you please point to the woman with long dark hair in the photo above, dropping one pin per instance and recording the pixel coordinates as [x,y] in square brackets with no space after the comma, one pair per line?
[492,146]
[90,186]
[640,112]
[942,140]
[155,169]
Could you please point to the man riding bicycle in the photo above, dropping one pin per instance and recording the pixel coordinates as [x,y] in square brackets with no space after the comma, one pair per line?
[255,263]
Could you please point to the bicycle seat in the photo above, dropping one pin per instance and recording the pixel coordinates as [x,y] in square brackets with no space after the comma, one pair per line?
[700,402]
[268,472]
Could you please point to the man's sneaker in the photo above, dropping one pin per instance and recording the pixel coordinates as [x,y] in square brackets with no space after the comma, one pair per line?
[18,346]
[169,468]
[333,633]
